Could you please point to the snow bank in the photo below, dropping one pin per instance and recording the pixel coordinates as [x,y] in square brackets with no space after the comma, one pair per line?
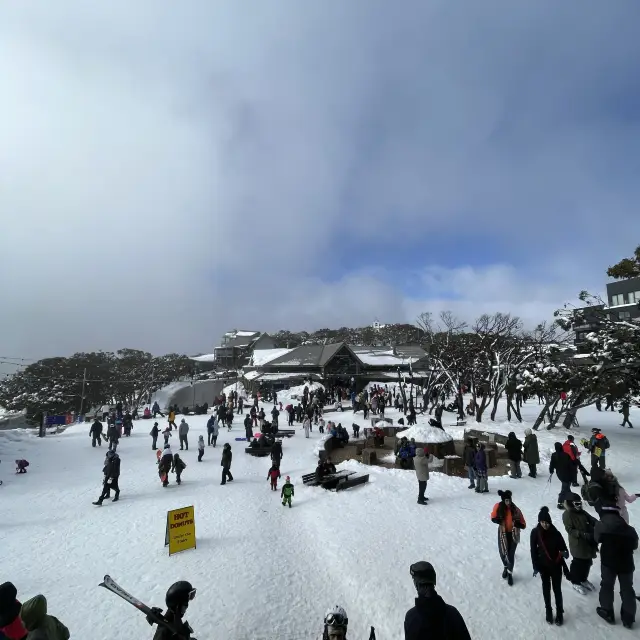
[425,434]
[288,396]
[236,386]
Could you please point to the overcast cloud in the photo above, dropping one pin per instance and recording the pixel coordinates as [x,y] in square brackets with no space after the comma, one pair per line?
[169,171]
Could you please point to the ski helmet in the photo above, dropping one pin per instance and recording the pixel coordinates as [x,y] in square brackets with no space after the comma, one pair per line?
[179,594]
[336,617]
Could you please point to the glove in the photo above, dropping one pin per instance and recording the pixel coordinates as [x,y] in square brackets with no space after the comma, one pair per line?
[535,574]
[565,554]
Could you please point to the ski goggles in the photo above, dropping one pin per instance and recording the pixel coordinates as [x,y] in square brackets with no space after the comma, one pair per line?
[336,620]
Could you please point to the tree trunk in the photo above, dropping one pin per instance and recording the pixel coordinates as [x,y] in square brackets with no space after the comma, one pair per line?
[545,410]
[494,410]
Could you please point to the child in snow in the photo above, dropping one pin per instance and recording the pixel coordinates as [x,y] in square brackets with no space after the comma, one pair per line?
[21,466]
[167,434]
[178,466]
[287,492]
[200,448]
[273,475]
[622,497]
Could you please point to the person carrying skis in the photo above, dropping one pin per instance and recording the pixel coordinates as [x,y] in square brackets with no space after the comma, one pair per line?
[510,521]
[200,448]
[431,617]
[287,492]
[178,466]
[225,463]
[177,599]
[154,435]
[111,473]
[579,526]
[548,553]
[183,430]
[273,475]
[95,433]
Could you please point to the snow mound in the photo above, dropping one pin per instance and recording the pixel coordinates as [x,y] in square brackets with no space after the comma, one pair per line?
[425,434]
[287,396]
[236,386]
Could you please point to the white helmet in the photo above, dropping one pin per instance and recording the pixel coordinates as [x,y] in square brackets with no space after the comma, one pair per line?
[336,617]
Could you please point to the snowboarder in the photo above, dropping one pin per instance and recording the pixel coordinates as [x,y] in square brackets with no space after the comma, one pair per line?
[548,553]
[431,617]
[183,430]
[111,473]
[531,455]
[287,492]
[273,475]
[200,448]
[617,541]
[154,435]
[178,466]
[510,521]
[421,465]
[579,526]
[225,463]
[178,597]
[39,623]
[95,433]
[563,466]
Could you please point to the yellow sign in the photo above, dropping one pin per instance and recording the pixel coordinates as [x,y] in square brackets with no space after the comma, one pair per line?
[181,530]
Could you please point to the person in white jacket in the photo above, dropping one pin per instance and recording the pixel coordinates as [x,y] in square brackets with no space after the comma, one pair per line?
[306,425]
[421,465]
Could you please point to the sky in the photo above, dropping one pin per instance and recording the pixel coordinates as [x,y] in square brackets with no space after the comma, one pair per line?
[170,171]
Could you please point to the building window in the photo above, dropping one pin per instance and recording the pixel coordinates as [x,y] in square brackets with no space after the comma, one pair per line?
[625,315]
[634,297]
[617,299]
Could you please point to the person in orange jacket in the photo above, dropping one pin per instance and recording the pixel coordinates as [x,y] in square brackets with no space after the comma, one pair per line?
[510,521]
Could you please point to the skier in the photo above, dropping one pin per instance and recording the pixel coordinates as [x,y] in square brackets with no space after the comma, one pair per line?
[563,466]
[95,433]
[154,435]
[225,463]
[178,466]
[531,454]
[200,448]
[178,597]
[510,521]
[431,617]
[287,492]
[548,553]
[335,624]
[617,541]
[273,475]
[579,526]
[39,623]
[111,473]
[183,430]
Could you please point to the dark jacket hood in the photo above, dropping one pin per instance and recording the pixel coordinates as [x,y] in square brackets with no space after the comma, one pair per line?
[558,447]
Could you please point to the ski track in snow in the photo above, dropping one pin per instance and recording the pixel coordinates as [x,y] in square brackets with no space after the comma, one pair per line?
[266,571]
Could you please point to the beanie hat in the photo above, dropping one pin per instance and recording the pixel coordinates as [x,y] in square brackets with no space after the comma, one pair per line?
[544,515]
[505,495]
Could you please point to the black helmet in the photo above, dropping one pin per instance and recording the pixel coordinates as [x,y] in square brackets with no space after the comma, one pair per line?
[179,594]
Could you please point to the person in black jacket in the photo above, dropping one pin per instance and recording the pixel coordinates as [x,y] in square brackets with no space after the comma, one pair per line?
[562,464]
[111,473]
[226,463]
[154,435]
[178,597]
[617,541]
[548,553]
[432,617]
[514,449]
[95,433]
[469,456]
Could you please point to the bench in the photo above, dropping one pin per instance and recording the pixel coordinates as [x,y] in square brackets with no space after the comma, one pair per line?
[258,452]
[285,433]
[310,478]
[459,423]
[352,482]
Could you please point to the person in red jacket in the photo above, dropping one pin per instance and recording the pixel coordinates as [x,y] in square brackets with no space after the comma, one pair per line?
[273,475]
[510,521]
[571,449]
[11,624]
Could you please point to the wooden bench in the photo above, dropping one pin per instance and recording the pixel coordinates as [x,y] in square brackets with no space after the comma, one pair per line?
[352,482]
[285,433]
[310,478]
[258,452]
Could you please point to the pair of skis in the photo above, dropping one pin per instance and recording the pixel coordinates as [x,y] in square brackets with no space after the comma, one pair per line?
[152,615]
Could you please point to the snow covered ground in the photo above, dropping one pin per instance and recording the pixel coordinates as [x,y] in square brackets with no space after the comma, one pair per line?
[264,571]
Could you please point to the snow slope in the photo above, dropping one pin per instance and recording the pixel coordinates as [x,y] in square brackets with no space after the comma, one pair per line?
[264,571]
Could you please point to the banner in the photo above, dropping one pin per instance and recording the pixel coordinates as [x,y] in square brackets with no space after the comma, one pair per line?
[180,533]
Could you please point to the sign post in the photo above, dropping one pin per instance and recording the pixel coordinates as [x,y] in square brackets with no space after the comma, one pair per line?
[180,533]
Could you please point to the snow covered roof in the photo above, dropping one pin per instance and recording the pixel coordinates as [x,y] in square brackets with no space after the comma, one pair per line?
[207,357]
[262,356]
[307,355]
[425,434]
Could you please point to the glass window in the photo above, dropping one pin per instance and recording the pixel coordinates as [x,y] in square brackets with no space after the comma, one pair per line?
[634,296]
[617,299]
[625,315]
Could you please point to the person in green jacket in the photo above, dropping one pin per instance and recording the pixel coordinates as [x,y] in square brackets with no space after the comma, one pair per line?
[39,624]
[287,492]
